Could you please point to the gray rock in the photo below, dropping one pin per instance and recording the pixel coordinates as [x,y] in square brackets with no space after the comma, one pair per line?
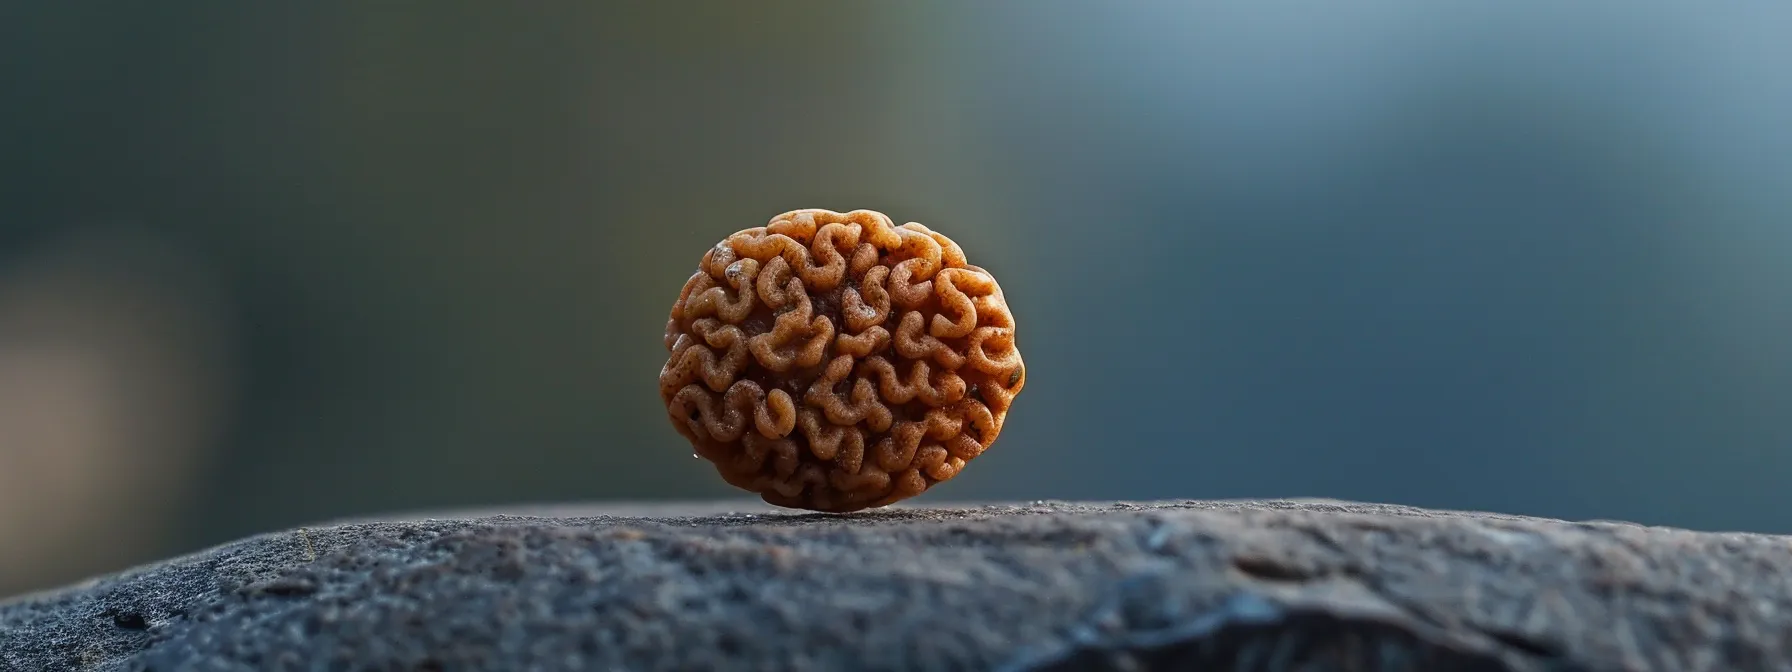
[1277,585]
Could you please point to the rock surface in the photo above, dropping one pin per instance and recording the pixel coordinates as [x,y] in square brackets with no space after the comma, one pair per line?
[1231,585]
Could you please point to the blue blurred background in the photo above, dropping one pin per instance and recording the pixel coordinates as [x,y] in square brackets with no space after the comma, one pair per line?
[264,264]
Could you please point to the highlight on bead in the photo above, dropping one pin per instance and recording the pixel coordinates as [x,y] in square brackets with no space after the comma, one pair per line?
[836,362]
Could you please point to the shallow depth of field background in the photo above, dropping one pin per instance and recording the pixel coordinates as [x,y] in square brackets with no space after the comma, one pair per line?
[263,265]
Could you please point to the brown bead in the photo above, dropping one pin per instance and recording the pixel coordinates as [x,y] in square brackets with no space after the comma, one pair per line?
[835,362]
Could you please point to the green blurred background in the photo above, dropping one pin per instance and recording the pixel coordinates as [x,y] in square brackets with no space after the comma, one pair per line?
[265,264]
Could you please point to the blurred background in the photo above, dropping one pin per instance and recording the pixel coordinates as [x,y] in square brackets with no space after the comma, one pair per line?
[265,264]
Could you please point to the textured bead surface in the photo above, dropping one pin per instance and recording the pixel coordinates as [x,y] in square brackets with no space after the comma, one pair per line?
[835,361]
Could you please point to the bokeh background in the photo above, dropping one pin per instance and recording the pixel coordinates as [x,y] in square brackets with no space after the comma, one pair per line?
[265,264]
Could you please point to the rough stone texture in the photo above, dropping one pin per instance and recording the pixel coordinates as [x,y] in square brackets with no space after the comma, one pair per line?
[1278,585]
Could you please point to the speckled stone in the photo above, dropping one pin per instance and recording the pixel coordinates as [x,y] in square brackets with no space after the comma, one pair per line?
[1230,585]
